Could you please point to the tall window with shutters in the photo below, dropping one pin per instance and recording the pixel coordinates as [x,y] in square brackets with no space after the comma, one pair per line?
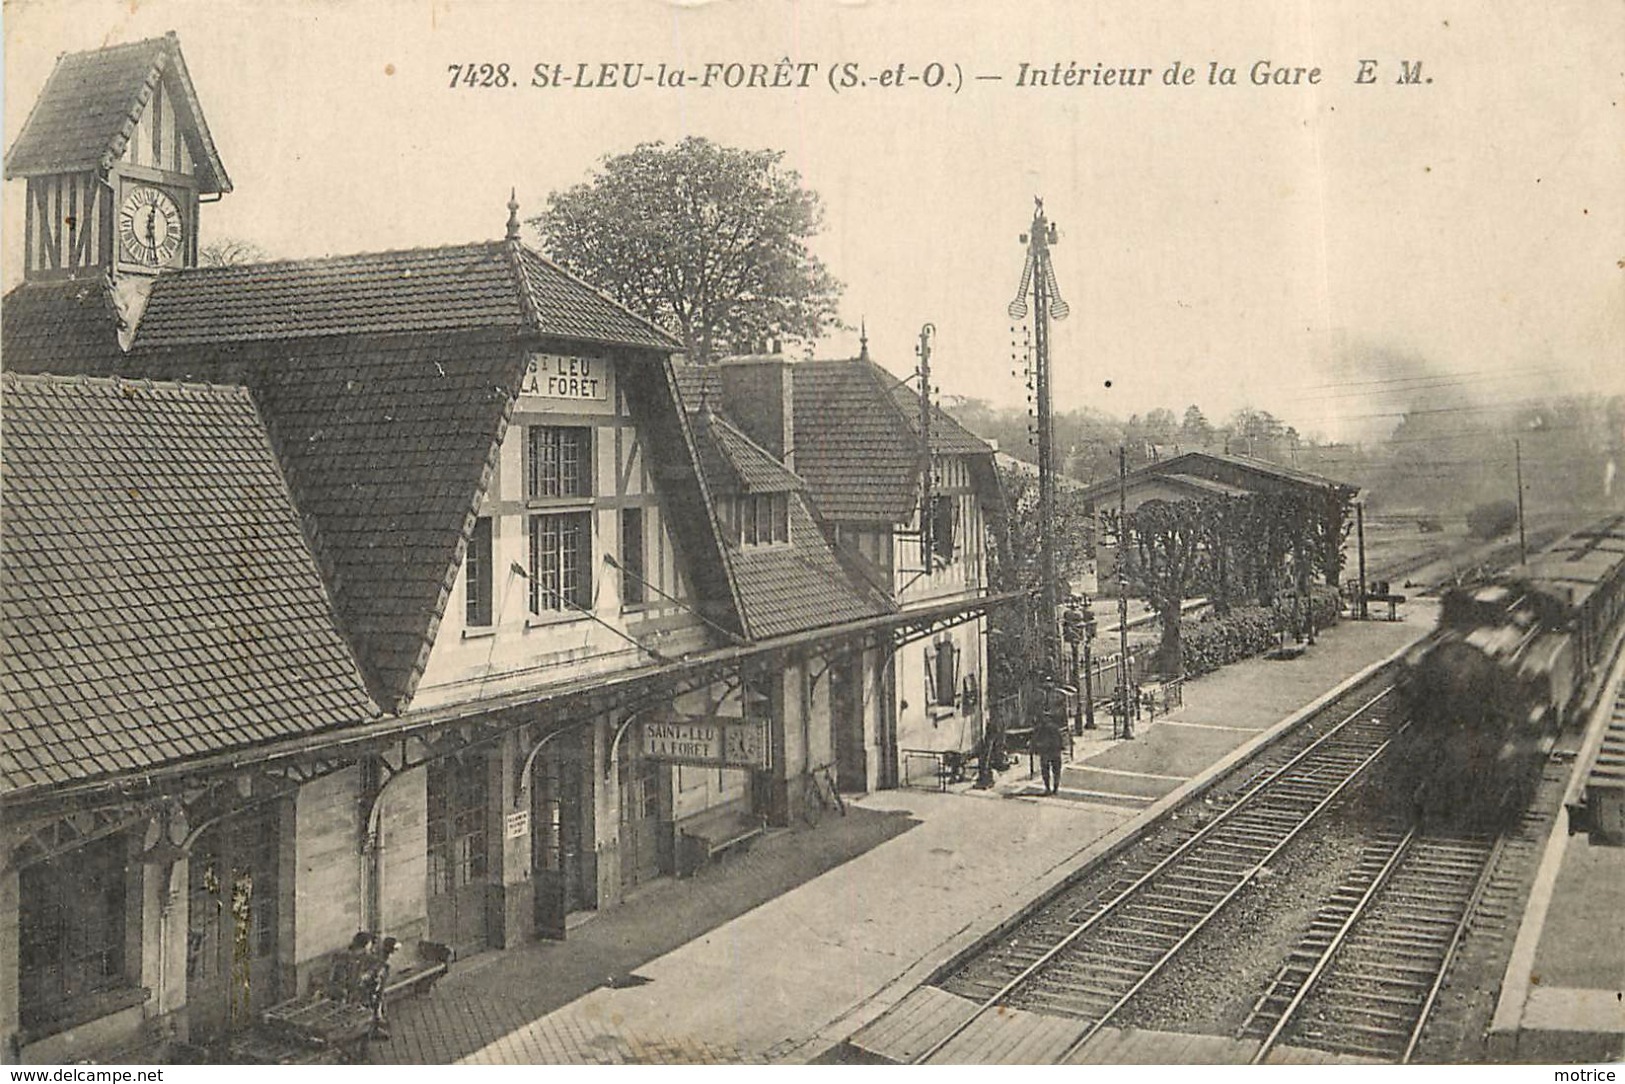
[477,575]
[634,571]
[942,675]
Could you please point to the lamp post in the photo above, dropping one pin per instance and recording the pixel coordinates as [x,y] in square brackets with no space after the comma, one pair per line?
[1078,628]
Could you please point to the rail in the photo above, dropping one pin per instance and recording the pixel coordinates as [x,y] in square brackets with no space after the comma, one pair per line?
[1305,785]
[1375,983]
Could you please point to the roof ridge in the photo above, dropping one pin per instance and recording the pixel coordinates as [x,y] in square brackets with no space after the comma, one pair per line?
[513,249]
[188,93]
[85,380]
[305,261]
[722,419]
[143,97]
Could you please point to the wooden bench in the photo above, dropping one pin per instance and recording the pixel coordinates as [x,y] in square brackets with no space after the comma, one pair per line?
[316,1027]
[432,961]
[701,839]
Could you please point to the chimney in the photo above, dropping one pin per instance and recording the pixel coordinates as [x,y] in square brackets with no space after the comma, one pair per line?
[757,396]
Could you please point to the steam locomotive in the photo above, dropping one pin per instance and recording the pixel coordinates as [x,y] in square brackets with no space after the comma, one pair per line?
[1512,661]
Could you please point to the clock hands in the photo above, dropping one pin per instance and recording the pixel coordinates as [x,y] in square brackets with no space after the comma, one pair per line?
[152,232]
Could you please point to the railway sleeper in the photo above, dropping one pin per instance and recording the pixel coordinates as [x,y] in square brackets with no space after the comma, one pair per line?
[1404,940]
[1131,918]
[1350,991]
[1075,998]
[1263,833]
[1356,1049]
[1098,965]
[1344,1013]
[1392,961]
[1198,911]
[1216,875]
[1386,980]
[1134,949]
[1372,1030]
[1429,903]
[1107,992]
[1406,924]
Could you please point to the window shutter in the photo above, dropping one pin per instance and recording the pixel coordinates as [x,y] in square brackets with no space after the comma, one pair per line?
[930,679]
[947,675]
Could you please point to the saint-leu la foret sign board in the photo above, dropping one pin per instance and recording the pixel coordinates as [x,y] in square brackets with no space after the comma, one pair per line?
[707,741]
[555,376]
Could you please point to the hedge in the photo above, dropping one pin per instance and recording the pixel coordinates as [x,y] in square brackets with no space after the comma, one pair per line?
[1212,641]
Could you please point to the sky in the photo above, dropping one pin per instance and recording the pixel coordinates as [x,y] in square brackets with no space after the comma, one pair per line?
[1325,251]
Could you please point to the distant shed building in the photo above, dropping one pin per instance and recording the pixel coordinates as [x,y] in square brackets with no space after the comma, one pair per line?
[1193,476]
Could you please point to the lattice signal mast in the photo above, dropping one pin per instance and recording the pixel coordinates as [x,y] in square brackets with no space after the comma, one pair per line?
[1038,277]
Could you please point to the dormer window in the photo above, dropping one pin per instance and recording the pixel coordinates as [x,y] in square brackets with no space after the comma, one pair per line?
[760,519]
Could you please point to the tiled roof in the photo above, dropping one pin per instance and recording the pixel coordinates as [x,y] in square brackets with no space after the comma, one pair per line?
[735,463]
[1261,466]
[387,443]
[1206,485]
[481,286]
[782,588]
[799,586]
[157,599]
[856,435]
[857,440]
[1243,472]
[61,326]
[88,109]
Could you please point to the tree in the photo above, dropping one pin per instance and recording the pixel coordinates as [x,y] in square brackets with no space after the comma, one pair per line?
[1195,430]
[1161,427]
[1169,537]
[229,252]
[1015,648]
[707,240]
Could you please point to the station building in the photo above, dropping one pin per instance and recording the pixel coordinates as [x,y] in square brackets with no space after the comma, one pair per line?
[403,591]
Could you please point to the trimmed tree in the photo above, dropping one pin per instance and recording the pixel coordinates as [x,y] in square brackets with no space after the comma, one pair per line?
[1168,537]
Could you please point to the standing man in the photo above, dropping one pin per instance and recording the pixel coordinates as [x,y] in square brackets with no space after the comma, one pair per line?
[1047,743]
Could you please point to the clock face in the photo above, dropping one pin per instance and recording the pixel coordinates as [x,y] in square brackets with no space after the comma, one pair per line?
[150,228]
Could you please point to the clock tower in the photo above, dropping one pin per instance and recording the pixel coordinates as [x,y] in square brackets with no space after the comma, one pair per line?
[118,160]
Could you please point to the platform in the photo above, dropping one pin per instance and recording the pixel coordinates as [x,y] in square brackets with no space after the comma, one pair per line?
[1015,1037]
[1563,995]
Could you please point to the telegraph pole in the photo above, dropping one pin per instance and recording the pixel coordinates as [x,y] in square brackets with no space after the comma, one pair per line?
[927,523]
[1517,452]
[1039,275]
[1359,526]
[1122,593]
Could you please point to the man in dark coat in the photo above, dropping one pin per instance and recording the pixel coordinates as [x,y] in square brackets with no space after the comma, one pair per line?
[1047,743]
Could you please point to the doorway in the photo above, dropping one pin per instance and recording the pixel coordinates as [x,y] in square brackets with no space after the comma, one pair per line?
[846,706]
[561,849]
[641,825]
[231,935]
[459,852]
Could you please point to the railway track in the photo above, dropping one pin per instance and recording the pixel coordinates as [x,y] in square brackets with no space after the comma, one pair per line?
[1087,963]
[1367,974]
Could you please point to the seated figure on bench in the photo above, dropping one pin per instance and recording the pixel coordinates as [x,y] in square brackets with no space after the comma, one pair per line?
[344,977]
[373,981]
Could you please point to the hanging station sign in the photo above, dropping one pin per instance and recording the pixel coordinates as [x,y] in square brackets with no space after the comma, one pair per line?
[707,741]
[558,376]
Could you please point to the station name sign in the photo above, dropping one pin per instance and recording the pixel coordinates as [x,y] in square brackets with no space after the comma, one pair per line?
[557,376]
[705,741]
